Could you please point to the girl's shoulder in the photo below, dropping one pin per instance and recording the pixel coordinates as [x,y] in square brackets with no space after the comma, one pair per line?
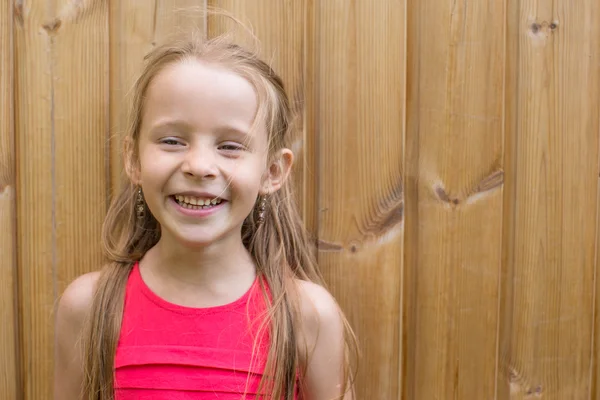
[322,341]
[76,300]
[317,305]
[73,306]
[320,315]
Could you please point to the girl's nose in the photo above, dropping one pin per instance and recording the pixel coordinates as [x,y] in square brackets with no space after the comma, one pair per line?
[200,163]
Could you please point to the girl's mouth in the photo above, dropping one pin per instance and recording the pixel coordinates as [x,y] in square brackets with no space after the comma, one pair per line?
[196,203]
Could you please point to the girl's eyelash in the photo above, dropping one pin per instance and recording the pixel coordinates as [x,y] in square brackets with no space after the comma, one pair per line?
[226,146]
[170,141]
[230,147]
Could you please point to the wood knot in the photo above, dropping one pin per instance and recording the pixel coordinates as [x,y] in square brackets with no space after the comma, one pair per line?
[19,13]
[543,27]
[52,26]
[354,247]
[443,196]
[534,392]
[535,27]
[385,215]
[326,246]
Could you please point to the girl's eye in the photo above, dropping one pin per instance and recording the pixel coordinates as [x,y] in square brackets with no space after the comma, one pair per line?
[170,142]
[231,147]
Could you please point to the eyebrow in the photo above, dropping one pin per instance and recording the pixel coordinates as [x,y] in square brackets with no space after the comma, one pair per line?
[181,124]
[228,129]
[169,123]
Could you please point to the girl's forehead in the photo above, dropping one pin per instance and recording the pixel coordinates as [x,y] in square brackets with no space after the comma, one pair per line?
[204,95]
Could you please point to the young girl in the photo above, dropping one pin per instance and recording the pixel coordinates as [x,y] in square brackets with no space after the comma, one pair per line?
[211,290]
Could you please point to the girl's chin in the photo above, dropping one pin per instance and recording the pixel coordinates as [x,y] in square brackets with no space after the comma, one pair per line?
[197,241]
[194,238]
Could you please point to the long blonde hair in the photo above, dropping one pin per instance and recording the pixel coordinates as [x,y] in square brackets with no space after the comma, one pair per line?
[280,246]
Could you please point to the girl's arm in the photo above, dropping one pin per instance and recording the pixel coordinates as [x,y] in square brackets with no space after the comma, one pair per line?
[72,309]
[323,335]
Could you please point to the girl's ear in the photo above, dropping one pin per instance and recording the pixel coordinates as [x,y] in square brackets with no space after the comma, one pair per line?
[278,171]
[132,166]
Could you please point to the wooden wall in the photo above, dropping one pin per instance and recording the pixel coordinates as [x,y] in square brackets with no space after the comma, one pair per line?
[448,164]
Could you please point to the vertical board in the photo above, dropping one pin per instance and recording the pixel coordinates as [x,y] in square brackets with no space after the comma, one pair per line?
[554,111]
[511,90]
[456,148]
[594,91]
[35,202]
[358,106]
[62,57]
[135,28]
[595,367]
[80,116]
[280,28]
[8,270]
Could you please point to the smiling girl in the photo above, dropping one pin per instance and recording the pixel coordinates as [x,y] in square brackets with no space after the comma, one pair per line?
[211,290]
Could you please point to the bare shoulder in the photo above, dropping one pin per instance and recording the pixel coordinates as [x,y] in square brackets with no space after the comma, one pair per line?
[321,343]
[77,298]
[73,307]
[316,303]
[320,313]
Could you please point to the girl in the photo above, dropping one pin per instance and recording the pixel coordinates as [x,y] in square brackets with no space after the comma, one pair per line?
[211,290]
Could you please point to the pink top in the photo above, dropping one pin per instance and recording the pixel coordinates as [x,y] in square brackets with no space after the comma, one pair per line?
[167,351]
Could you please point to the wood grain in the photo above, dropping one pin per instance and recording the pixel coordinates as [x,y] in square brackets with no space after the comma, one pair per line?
[80,72]
[358,106]
[8,268]
[455,146]
[554,144]
[511,110]
[307,161]
[62,57]
[595,364]
[35,201]
[280,27]
[135,28]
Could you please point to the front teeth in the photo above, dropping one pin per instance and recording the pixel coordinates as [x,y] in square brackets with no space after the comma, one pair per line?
[195,203]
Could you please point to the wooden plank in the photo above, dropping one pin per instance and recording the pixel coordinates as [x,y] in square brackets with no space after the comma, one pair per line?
[595,370]
[511,110]
[554,98]
[61,128]
[280,28]
[358,106]
[454,220]
[35,221]
[8,270]
[80,135]
[595,367]
[136,27]
[307,170]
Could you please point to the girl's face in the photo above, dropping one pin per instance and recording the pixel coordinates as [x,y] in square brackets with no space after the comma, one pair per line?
[201,167]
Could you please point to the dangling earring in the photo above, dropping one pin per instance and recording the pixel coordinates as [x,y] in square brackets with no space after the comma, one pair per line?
[140,206]
[262,206]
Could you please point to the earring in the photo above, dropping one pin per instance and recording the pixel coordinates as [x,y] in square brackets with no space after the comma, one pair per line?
[262,206]
[140,205]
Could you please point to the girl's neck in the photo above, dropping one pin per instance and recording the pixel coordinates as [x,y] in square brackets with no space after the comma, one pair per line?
[218,263]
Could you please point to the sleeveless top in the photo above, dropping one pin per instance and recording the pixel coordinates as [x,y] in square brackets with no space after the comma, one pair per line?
[166,351]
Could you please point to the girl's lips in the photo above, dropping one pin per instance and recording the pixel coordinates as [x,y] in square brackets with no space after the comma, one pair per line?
[201,212]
